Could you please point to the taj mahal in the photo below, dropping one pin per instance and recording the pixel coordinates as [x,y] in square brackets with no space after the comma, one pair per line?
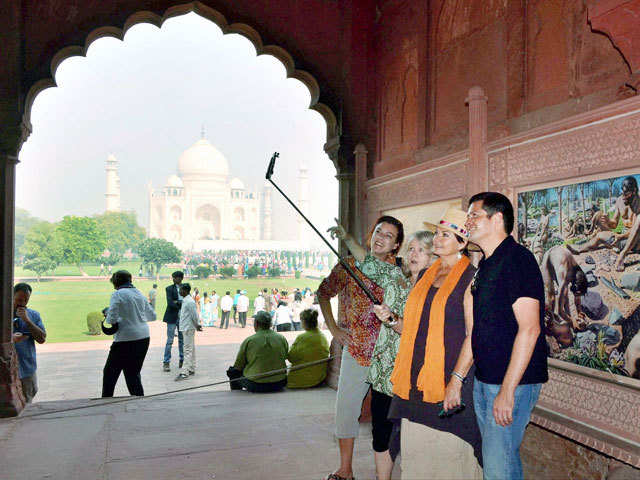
[203,207]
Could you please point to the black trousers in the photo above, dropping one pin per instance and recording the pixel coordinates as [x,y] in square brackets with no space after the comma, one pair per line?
[243,318]
[224,320]
[127,357]
[251,386]
[381,427]
[283,327]
[235,313]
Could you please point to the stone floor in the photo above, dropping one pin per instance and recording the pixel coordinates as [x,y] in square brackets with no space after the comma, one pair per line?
[202,434]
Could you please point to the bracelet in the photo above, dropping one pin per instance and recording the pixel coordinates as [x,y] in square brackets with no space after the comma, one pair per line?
[459,377]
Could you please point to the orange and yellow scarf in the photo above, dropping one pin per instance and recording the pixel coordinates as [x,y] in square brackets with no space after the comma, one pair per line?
[431,380]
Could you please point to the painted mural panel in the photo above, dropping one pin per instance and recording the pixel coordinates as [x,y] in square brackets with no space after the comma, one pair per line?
[586,239]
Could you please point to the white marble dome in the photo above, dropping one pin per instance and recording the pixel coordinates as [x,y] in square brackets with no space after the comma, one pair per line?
[202,158]
[236,184]
[174,181]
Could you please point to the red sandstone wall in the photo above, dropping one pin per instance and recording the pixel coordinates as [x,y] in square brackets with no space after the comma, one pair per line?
[400,65]
[537,60]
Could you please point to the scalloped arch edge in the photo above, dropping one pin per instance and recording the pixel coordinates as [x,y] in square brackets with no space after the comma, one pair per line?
[208,13]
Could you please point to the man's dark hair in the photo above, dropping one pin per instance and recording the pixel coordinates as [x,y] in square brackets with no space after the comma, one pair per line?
[238,291]
[262,320]
[392,221]
[630,183]
[580,283]
[22,287]
[264,290]
[177,274]
[228,293]
[309,318]
[155,285]
[186,287]
[494,202]
[120,278]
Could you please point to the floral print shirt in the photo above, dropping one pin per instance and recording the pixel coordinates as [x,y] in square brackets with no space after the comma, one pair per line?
[396,290]
[354,309]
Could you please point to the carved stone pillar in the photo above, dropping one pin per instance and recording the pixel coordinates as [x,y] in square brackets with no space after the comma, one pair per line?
[360,192]
[11,398]
[477,167]
[14,129]
[346,194]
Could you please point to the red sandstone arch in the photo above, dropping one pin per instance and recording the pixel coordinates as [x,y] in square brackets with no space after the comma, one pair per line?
[206,12]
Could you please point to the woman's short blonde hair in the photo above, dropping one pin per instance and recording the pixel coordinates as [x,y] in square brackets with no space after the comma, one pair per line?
[425,237]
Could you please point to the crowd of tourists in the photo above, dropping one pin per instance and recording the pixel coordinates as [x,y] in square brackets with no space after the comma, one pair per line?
[453,351]
[263,260]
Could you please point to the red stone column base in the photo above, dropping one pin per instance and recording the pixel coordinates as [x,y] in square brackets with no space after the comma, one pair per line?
[11,399]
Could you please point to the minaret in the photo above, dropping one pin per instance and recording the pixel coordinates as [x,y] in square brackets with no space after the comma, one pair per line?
[266,219]
[113,185]
[303,203]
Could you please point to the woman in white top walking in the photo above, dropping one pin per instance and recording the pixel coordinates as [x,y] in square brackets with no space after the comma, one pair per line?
[129,311]
[283,317]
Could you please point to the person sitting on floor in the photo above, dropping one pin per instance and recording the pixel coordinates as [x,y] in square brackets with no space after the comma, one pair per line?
[260,353]
[309,346]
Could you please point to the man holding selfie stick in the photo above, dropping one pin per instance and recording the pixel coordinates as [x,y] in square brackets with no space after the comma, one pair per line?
[27,329]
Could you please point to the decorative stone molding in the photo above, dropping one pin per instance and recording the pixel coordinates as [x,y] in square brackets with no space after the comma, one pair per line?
[594,408]
[435,180]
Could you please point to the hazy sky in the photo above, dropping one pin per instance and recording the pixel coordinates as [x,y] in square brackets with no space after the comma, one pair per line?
[146,99]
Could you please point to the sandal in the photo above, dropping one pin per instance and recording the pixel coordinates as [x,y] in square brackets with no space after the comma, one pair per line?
[335,476]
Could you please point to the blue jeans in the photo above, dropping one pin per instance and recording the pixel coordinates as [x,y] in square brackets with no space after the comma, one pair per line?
[501,445]
[171,332]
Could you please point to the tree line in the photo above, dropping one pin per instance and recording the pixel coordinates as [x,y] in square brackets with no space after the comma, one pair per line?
[41,246]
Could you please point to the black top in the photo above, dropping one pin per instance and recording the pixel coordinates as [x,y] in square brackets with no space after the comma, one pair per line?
[172,313]
[509,274]
[462,424]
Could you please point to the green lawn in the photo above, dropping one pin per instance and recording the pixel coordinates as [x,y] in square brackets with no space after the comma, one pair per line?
[64,305]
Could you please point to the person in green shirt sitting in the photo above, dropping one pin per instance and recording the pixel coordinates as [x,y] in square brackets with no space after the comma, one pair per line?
[309,346]
[260,353]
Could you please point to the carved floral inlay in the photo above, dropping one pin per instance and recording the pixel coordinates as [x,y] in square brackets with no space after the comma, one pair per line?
[612,145]
[422,188]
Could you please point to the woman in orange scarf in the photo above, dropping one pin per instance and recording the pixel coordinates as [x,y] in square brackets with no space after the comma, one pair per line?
[431,394]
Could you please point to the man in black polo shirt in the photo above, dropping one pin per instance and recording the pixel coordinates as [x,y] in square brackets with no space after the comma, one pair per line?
[509,349]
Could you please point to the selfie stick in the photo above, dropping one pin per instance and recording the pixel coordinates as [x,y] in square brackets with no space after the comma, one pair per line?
[346,266]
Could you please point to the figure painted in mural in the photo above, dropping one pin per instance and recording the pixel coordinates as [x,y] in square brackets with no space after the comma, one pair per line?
[560,269]
[632,357]
[559,332]
[627,208]
[509,347]
[575,229]
[357,332]
[542,232]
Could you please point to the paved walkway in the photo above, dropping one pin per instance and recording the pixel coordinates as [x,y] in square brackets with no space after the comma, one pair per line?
[69,371]
[205,434]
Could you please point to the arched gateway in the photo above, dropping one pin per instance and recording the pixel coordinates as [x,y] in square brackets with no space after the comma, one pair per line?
[40,36]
